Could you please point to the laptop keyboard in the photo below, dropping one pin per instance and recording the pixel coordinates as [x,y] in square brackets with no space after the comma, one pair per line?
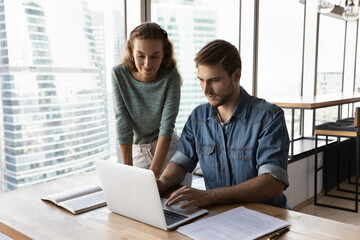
[172,217]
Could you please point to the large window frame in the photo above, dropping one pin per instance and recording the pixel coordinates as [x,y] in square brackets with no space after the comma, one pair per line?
[137,11]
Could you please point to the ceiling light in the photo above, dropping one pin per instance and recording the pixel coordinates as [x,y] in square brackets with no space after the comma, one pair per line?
[351,11]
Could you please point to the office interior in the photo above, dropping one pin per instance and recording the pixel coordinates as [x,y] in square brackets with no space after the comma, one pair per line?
[289,51]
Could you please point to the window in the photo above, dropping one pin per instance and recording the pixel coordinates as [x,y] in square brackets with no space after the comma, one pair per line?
[330,63]
[190,25]
[56,107]
[330,55]
[56,98]
[280,48]
[280,52]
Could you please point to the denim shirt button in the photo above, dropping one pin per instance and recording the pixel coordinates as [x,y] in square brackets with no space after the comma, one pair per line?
[245,156]
[226,127]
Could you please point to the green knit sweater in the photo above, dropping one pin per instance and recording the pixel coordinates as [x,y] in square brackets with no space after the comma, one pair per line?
[145,110]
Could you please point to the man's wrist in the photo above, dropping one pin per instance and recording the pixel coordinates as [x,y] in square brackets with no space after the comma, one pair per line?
[212,197]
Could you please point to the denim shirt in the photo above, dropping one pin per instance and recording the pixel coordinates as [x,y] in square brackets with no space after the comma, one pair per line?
[254,141]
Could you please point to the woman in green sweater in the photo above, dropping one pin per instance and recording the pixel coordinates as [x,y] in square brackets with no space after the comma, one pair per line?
[146,100]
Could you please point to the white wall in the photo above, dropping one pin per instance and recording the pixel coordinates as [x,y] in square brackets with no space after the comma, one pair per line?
[301,180]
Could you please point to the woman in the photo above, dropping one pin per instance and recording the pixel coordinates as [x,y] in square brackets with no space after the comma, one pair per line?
[146,99]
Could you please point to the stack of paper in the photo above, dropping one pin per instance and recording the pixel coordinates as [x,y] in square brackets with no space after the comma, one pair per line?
[238,223]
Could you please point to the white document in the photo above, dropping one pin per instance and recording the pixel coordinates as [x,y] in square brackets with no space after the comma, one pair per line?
[238,223]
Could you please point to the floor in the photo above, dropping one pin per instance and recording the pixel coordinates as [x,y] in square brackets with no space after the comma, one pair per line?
[310,208]
[331,213]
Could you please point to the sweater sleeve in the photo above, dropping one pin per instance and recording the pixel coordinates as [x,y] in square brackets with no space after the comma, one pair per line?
[124,124]
[171,105]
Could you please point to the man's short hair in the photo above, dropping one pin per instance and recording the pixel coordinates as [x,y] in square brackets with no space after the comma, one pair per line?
[219,51]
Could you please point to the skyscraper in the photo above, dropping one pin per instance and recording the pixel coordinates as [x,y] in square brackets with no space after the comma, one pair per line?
[190,27]
[54,120]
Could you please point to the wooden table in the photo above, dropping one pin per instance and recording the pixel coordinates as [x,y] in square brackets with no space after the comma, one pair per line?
[319,101]
[313,103]
[24,216]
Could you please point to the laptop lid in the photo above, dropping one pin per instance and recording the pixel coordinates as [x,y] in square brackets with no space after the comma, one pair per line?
[133,192]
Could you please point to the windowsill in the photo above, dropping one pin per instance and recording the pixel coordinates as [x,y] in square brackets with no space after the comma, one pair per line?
[305,147]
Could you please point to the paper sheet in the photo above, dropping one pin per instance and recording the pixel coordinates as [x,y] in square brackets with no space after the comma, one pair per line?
[238,223]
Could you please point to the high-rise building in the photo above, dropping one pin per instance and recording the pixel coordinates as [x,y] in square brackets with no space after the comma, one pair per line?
[53,108]
[195,26]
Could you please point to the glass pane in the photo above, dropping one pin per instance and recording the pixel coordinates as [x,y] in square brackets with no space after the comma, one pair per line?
[326,115]
[190,25]
[56,87]
[330,55]
[330,63]
[280,55]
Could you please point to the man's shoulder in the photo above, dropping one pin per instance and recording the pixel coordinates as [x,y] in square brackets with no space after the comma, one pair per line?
[201,109]
[261,107]
[200,112]
[261,103]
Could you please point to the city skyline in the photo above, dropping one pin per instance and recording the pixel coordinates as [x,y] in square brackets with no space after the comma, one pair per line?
[54,121]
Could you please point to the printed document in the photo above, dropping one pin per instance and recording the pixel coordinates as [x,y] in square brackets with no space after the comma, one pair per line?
[238,223]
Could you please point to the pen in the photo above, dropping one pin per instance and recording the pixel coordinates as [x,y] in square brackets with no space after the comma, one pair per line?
[278,234]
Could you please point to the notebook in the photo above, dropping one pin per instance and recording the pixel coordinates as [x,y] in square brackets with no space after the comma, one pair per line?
[133,192]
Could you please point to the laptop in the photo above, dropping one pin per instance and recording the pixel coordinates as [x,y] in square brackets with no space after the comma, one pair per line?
[133,192]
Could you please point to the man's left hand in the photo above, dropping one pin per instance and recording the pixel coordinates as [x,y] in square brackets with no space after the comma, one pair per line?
[194,197]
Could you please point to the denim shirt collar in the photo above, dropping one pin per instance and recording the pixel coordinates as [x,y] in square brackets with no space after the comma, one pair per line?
[240,109]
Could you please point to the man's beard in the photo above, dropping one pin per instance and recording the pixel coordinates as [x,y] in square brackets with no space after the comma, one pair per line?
[224,98]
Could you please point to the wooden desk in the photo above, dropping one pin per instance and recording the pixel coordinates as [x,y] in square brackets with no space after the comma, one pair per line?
[312,103]
[24,216]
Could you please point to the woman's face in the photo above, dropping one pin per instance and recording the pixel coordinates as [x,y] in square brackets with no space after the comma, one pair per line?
[147,54]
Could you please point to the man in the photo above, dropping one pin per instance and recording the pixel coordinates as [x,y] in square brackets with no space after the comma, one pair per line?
[240,141]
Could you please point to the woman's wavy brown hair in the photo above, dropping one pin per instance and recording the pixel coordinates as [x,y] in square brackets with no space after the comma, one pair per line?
[149,30]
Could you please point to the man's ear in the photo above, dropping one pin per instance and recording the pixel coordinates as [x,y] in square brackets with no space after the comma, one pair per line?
[236,75]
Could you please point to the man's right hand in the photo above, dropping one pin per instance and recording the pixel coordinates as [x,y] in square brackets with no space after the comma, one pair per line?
[192,196]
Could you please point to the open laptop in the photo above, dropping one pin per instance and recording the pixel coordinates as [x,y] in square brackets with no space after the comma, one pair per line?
[133,192]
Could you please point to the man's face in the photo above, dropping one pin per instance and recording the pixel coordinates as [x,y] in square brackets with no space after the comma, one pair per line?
[218,87]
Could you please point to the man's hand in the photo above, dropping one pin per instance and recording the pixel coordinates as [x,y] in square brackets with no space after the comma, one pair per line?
[194,197]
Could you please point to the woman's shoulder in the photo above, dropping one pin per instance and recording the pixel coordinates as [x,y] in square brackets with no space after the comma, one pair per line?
[170,71]
[121,72]
[120,69]
[170,74]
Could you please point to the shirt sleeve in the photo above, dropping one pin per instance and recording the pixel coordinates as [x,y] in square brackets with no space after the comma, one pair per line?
[273,148]
[124,125]
[186,156]
[171,105]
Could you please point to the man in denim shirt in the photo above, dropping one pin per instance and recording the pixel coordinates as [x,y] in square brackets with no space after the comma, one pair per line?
[241,141]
